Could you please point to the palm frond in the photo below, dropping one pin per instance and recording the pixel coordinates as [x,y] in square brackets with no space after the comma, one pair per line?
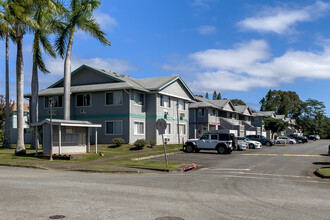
[91,26]
[62,39]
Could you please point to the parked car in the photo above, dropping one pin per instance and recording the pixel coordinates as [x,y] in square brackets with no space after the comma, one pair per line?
[210,141]
[313,137]
[262,139]
[286,140]
[242,144]
[299,138]
[250,143]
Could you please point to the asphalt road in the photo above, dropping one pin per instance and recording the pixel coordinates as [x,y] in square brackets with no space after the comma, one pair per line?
[270,183]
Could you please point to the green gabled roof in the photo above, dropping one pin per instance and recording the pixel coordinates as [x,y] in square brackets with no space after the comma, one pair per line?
[103,73]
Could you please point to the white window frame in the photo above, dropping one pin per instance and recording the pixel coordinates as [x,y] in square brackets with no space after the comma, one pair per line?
[52,97]
[144,98]
[144,127]
[183,104]
[202,115]
[168,123]
[113,92]
[105,130]
[84,106]
[185,130]
[161,101]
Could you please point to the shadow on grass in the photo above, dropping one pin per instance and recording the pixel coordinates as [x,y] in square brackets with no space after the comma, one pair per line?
[114,146]
[135,148]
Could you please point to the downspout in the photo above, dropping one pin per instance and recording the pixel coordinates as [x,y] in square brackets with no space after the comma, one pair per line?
[129,115]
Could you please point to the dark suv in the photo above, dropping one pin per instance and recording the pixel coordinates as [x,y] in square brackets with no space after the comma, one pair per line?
[262,139]
[299,138]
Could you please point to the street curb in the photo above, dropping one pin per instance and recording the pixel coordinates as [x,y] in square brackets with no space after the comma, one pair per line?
[24,166]
[319,174]
[106,171]
[155,156]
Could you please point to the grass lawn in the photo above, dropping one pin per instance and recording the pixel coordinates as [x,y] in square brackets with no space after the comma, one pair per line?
[325,171]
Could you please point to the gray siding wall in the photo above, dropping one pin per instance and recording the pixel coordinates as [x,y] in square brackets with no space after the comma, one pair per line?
[176,89]
[87,77]
[151,108]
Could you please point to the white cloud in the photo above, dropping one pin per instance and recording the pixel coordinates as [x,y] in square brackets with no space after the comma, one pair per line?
[206,29]
[106,21]
[202,3]
[283,20]
[250,65]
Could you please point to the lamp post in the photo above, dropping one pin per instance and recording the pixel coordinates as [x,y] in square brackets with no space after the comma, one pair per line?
[51,102]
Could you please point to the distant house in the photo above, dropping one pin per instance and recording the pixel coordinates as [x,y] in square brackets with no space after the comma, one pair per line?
[13,125]
[125,107]
[207,115]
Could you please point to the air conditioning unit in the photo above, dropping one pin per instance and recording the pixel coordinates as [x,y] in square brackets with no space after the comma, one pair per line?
[182,115]
[54,112]
[82,111]
[165,115]
[166,140]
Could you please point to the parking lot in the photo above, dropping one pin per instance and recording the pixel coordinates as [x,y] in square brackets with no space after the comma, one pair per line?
[296,159]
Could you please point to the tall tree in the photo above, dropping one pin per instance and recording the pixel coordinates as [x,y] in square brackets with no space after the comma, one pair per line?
[207,95]
[219,96]
[21,11]
[237,102]
[80,16]
[214,95]
[46,14]
[275,125]
[6,31]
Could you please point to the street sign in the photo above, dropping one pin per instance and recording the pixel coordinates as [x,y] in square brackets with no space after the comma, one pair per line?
[161,126]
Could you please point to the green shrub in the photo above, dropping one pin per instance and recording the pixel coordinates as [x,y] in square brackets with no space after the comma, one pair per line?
[140,143]
[118,141]
[152,143]
[2,135]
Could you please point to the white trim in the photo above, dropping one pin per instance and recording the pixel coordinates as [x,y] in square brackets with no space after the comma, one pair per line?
[84,106]
[144,127]
[175,96]
[105,130]
[105,98]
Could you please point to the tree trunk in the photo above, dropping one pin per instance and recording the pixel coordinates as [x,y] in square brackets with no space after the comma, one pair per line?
[34,105]
[7,142]
[20,148]
[67,78]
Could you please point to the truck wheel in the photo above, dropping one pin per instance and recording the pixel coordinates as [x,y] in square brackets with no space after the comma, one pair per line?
[291,142]
[268,144]
[221,150]
[189,149]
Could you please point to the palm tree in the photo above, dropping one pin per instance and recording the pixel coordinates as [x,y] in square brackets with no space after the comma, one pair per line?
[81,17]
[46,13]
[6,31]
[21,11]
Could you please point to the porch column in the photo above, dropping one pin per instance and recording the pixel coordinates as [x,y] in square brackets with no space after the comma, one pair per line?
[96,140]
[88,140]
[59,139]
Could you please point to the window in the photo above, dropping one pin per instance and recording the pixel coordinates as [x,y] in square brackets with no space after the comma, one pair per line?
[205,137]
[181,104]
[165,101]
[113,127]
[168,128]
[57,101]
[182,129]
[201,112]
[139,98]
[214,137]
[84,100]
[138,127]
[114,98]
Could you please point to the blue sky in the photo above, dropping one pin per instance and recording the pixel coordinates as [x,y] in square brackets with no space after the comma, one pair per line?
[239,48]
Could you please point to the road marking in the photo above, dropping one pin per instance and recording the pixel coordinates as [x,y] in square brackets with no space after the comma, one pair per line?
[225,169]
[259,154]
[300,155]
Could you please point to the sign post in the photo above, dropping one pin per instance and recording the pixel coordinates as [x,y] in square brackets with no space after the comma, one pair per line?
[161,127]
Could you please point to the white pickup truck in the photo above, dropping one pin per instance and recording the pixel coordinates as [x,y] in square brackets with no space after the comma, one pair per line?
[210,141]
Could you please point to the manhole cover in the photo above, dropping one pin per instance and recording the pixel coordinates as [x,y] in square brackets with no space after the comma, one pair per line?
[56,216]
[169,218]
